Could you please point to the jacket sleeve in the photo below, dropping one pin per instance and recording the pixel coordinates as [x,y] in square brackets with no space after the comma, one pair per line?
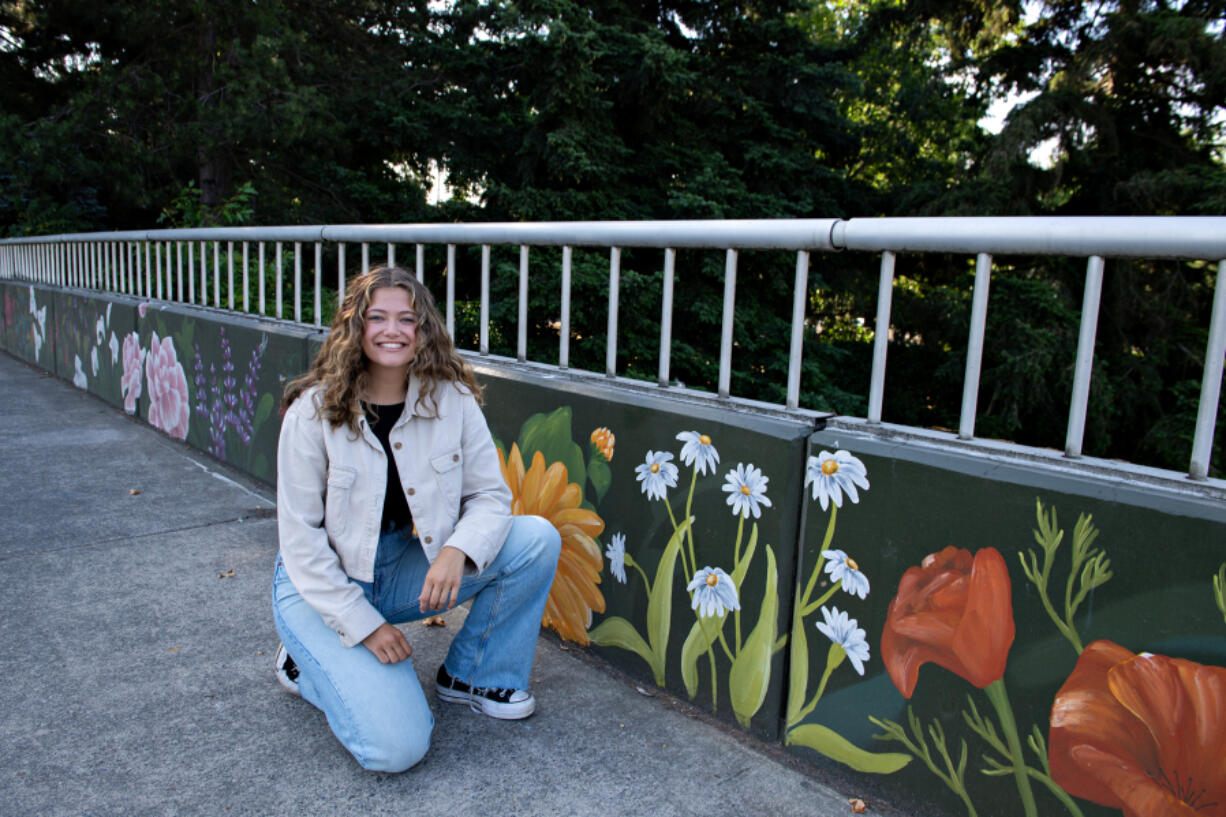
[485,499]
[310,561]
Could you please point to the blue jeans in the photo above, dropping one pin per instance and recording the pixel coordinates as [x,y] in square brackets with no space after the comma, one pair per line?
[379,711]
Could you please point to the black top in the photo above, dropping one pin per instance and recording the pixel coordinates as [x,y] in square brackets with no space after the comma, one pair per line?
[396,512]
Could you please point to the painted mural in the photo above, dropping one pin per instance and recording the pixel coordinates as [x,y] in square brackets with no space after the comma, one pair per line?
[941,639]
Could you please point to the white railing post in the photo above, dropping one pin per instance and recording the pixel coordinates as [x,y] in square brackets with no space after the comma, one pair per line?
[881,337]
[974,346]
[725,341]
[246,276]
[1211,381]
[297,282]
[319,283]
[230,275]
[522,343]
[484,341]
[1080,399]
[666,316]
[451,273]
[564,320]
[800,293]
[340,274]
[615,269]
[421,263]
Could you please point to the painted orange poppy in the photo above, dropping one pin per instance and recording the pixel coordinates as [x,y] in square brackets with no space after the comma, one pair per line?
[955,610]
[548,492]
[1142,733]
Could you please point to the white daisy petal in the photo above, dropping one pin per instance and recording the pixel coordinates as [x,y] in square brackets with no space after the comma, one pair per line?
[714,592]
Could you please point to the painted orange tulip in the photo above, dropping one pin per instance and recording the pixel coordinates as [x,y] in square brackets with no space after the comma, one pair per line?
[955,610]
[548,492]
[1142,733]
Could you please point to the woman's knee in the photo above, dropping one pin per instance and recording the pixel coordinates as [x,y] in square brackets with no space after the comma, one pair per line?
[541,532]
[396,752]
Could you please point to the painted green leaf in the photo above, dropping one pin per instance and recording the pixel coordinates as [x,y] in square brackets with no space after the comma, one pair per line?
[798,683]
[260,467]
[617,632]
[600,475]
[749,677]
[551,435]
[660,602]
[262,412]
[836,747]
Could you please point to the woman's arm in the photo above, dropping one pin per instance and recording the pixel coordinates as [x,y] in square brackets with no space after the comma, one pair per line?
[310,561]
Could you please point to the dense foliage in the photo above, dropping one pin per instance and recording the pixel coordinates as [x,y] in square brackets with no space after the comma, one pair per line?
[123,115]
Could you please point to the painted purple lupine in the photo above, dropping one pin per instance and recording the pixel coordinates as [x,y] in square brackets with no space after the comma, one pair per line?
[220,400]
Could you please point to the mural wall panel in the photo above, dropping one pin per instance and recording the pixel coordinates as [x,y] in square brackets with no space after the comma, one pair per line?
[1027,643]
[678,522]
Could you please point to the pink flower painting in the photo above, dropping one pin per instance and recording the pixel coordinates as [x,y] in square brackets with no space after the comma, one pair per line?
[168,400]
[133,360]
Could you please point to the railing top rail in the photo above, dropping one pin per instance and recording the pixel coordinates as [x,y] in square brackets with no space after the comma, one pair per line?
[780,234]
[1202,237]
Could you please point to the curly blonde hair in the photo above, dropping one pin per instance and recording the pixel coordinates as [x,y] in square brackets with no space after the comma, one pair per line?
[340,366]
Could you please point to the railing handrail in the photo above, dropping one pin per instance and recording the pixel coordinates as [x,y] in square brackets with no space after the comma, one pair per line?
[1197,237]
[110,260]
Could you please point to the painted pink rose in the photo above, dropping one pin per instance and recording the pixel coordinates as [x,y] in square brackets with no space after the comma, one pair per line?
[168,400]
[133,360]
[142,308]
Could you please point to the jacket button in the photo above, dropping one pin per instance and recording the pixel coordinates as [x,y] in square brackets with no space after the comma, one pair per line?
[428,540]
[411,491]
[397,446]
[455,457]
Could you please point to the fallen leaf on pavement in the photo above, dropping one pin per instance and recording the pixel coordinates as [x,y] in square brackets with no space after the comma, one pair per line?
[173,649]
[133,491]
[229,574]
[435,621]
[857,805]
[646,692]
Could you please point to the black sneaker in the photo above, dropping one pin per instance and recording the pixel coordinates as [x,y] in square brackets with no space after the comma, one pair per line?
[505,704]
[286,670]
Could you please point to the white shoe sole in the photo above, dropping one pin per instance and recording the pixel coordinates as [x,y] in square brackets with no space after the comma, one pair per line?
[512,711]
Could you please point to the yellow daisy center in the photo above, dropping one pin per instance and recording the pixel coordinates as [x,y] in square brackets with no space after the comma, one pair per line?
[712,579]
[745,490]
[830,468]
[852,563]
[655,468]
[704,439]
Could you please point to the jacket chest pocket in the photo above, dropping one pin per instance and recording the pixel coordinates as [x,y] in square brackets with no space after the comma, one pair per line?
[337,503]
[449,474]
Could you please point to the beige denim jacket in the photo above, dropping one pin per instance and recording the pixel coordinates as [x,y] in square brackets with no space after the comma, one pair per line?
[331,486]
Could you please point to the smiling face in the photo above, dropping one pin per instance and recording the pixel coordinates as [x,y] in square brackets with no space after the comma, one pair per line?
[390,333]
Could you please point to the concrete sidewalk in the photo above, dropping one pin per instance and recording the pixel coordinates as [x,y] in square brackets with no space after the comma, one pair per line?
[137,652]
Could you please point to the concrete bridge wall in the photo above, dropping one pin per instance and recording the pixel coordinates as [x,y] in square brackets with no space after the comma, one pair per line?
[1031,639]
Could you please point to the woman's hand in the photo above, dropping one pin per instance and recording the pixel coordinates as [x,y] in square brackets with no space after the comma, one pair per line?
[388,644]
[442,585]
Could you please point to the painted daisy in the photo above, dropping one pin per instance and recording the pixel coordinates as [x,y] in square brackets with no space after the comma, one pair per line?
[657,474]
[746,488]
[714,592]
[698,451]
[832,475]
[843,568]
[616,552]
[847,634]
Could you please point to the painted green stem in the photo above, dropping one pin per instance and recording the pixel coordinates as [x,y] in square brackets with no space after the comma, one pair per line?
[736,562]
[825,598]
[1000,701]
[833,659]
[1054,788]
[689,534]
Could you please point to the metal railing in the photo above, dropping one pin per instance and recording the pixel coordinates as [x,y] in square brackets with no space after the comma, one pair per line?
[151,264]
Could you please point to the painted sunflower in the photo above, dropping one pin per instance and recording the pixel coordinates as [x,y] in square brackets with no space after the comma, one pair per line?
[547,492]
